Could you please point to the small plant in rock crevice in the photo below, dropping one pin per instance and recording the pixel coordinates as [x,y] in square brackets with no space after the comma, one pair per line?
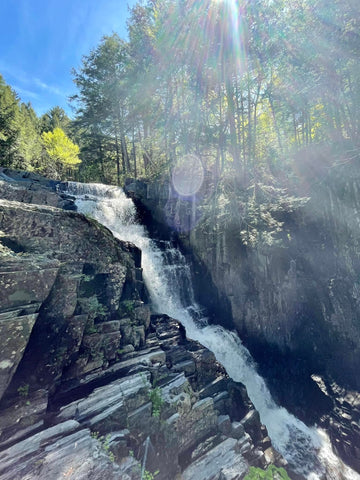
[128,307]
[95,308]
[104,442]
[23,390]
[157,401]
[154,395]
[150,476]
[90,328]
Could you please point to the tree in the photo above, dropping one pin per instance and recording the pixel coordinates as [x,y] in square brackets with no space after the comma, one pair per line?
[55,118]
[9,124]
[30,145]
[61,150]
[243,85]
[102,98]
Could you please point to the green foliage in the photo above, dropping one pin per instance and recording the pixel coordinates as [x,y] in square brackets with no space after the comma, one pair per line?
[264,207]
[60,148]
[86,278]
[97,356]
[245,100]
[21,144]
[245,113]
[23,390]
[255,214]
[102,101]
[150,476]
[55,118]
[94,308]
[29,145]
[104,442]
[90,328]
[129,306]
[157,401]
[9,124]
[271,473]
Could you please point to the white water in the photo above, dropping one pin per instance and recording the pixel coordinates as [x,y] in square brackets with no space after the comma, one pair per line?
[307,450]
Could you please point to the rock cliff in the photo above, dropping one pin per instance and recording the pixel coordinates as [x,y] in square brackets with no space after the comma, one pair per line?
[91,384]
[296,306]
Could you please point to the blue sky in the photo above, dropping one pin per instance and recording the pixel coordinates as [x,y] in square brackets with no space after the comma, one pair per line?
[42,40]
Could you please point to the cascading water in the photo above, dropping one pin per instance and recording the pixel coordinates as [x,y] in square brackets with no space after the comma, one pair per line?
[168,280]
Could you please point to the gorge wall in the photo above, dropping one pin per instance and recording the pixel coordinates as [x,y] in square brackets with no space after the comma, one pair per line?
[89,379]
[296,306]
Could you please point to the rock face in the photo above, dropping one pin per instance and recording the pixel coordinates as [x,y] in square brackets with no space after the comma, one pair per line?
[296,306]
[91,385]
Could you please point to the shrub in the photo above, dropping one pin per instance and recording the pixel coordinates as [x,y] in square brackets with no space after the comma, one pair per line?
[271,473]
[156,400]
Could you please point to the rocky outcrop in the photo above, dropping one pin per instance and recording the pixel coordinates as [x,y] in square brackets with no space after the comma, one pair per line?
[295,305]
[187,417]
[91,385]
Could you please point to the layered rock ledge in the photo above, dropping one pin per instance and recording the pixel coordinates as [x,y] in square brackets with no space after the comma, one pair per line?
[91,385]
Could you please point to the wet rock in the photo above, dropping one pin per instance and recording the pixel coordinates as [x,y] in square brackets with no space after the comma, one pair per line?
[237,430]
[188,367]
[344,423]
[205,447]
[224,425]
[222,402]
[142,315]
[110,344]
[222,462]
[252,425]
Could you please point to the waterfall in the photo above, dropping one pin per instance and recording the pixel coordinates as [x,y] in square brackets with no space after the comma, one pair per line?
[168,280]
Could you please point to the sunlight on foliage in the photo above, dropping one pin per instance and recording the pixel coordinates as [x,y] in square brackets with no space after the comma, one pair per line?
[254,213]
[60,148]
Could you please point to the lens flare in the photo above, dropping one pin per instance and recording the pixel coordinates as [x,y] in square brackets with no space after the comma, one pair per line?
[188,175]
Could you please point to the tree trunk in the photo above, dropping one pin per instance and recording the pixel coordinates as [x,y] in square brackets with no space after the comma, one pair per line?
[231,120]
[118,158]
[276,126]
[134,151]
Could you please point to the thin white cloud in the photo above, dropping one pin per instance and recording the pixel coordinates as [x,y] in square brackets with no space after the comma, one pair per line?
[49,88]
[24,79]
[24,92]
[13,72]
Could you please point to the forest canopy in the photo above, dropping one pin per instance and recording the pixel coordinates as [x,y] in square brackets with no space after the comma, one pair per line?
[30,143]
[242,85]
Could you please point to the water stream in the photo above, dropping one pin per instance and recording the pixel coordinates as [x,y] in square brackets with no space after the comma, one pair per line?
[168,280]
